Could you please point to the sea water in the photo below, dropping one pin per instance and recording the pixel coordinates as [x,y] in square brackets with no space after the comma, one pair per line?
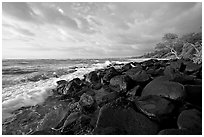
[29,82]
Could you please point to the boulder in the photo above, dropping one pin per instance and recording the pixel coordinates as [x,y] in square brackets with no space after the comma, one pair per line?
[127,67]
[160,86]
[179,132]
[121,83]
[149,63]
[52,119]
[177,76]
[178,65]
[192,67]
[92,77]
[86,100]
[109,73]
[155,107]
[70,88]
[137,74]
[114,119]
[190,119]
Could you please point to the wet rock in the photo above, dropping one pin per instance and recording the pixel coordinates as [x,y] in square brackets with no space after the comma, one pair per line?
[190,119]
[160,86]
[109,97]
[92,77]
[109,73]
[61,82]
[192,67]
[149,63]
[121,83]
[52,119]
[119,120]
[70,88]
[177,76]
[127,67]
[86,100]
[138,75]
[194,94]
[178,65]
[179,132]
[155,107]
[70,119]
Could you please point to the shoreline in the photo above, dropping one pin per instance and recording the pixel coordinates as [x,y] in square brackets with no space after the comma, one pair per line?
[101,88]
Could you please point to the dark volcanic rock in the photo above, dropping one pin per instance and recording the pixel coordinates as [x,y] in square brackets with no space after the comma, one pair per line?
[149,63]
[192,67]
[155,106]
[127,66]
[194,94]
[160,86]
[121,83]
[92,77]
[109,73]
[70,88]
[103,96]
[86,100]
[190,119]
[118,120]
[137,74]
[177,76]
[179,132]
[61,82]
[52,119]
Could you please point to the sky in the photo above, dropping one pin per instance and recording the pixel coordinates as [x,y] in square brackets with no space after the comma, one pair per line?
[92,30]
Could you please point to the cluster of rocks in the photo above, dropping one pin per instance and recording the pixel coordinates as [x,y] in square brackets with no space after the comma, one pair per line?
[152,97]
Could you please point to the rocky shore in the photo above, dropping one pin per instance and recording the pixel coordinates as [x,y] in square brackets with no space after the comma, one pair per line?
[152,97]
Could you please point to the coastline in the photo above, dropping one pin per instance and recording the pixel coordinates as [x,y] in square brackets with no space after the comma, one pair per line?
[100,88]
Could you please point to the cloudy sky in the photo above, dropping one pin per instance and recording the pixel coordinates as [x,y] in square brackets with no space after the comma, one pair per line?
[92,30]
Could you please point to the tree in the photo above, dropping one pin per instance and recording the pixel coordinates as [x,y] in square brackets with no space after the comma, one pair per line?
[171,43]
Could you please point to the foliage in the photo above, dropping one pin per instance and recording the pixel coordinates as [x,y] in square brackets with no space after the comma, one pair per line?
[188,46]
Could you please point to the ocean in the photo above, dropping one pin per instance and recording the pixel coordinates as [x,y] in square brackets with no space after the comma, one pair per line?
[29,82]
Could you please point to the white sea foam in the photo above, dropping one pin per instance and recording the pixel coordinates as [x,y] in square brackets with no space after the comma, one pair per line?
[33,93]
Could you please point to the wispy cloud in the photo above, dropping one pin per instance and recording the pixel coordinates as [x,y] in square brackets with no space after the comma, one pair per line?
[63,30]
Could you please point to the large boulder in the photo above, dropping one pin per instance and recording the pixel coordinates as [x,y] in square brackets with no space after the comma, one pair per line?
[160,86]
[190,119]
[155,107]
[114,119]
